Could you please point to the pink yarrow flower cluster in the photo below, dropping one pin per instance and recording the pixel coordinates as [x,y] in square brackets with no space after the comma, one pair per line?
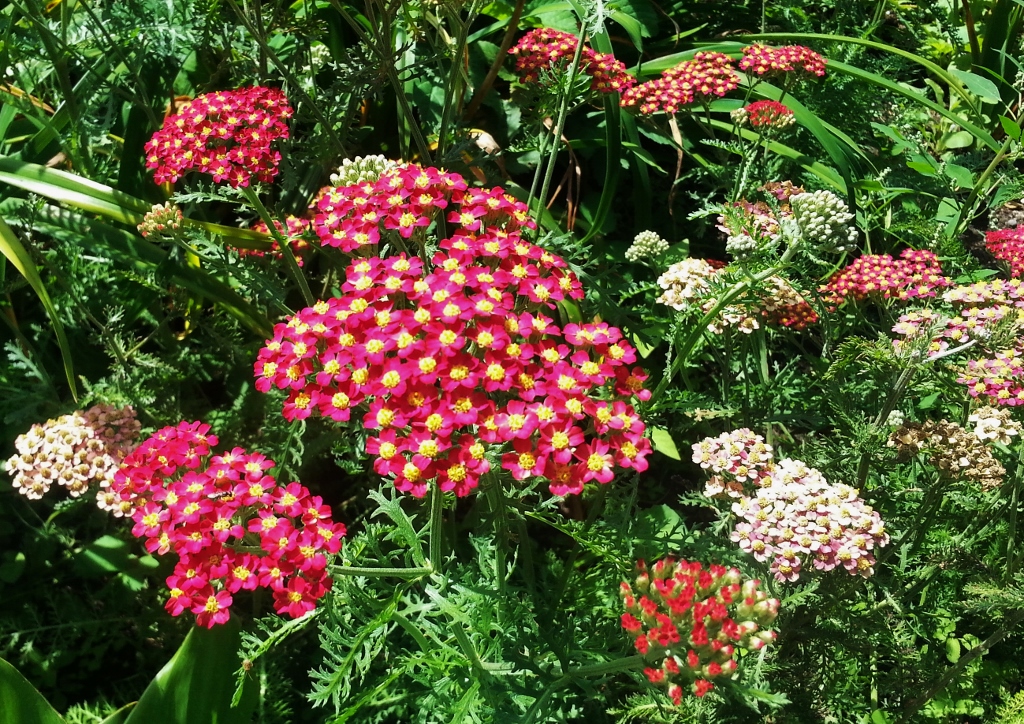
[690,622]
[453,361]
[1007,245]
[293,230]
[546,49]
[916,274]
[789,514]
[764,61]
[227,134]
[708,75]
[231,525]
[74,451]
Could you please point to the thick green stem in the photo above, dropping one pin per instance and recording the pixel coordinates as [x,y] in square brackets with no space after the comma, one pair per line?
[371,572]
[436,528]
[286,248]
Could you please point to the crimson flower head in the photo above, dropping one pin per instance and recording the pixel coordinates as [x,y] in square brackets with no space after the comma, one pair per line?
[708,75]
[764,61]
[545,49]
[226,134]
[1007,245]
[232,527]
[689,622]
[765,114]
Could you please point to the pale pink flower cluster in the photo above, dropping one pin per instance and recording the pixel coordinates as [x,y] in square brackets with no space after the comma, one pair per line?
[789,514]
[74,451]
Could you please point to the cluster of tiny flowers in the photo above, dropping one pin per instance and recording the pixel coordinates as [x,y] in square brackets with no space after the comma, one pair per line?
[995,424]
[781,305]
[74,451]
[737,460]
[546,49]
[406,200]
[450,362]
[293,231]
[824,221]
[915,274]
[999,378]
[708,74]
[783,191]
[231,525]
[956,452]
[690,622]
[789,513]
[764,114]
[762,60]
[227,134]
[358,170]
[685,283]
[749,227]
[1007,245]
[646,245]
[163,220]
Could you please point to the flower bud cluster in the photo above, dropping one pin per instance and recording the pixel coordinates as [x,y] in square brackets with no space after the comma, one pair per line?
[227,134]
[646,245]
[362,169]
[764,61]
[690,622]
[824,221]
[1007,245]
[916,274]
[293,231]
[455,361]
[708,75]
[770,115]
[749,227]
[789,513]
[995,424]
[231,525]
[74,451]
[546,49]
[956,452]
[163,220]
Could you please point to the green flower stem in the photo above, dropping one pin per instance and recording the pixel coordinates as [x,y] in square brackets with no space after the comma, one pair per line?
[630,663]
[286,249]
[563,112]
[452,97]
[1011,543]
[496,500]
[418,572]
[436,528]
[968,206]
[726,299]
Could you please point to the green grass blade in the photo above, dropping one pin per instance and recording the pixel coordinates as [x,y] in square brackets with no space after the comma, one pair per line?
[20,703]
[613,150]
[18,255]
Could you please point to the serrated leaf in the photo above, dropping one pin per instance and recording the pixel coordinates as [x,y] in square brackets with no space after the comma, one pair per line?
[663,443]
[20,703]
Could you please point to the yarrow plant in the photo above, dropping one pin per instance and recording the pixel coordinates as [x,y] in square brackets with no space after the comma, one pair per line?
[74,451]
[1007,245]
[646,246]
[691,622]
[915,274]
[762,60]
[956,452]
[163,220]
[293,230]
[692,81]
[453,360]
[360,169]
[789,513]
[228,135]
[824,221]
[770,115]
[231,525]
[549,50]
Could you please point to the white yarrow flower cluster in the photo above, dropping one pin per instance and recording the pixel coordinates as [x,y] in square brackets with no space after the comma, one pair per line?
[646,245]
[995,424]
[824,220]
[74,451]
[684,283]
[741,245]
[362,168]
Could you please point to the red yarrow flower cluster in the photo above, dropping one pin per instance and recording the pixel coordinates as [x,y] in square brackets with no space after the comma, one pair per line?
[227,134]
[916,274]
[1007,245]
[293,231]
[762,60]
[232,526]
[546,49]
[708,74]
[766,114]
[690,622]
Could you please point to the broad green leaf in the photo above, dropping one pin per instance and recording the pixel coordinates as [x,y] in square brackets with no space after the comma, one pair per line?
[196,685]
[18,255]
[1010,127]
[663,443]
[963,177]
[985,89]
[106,554]
[953,649]
[20,703]
[925,169]
[960,139]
